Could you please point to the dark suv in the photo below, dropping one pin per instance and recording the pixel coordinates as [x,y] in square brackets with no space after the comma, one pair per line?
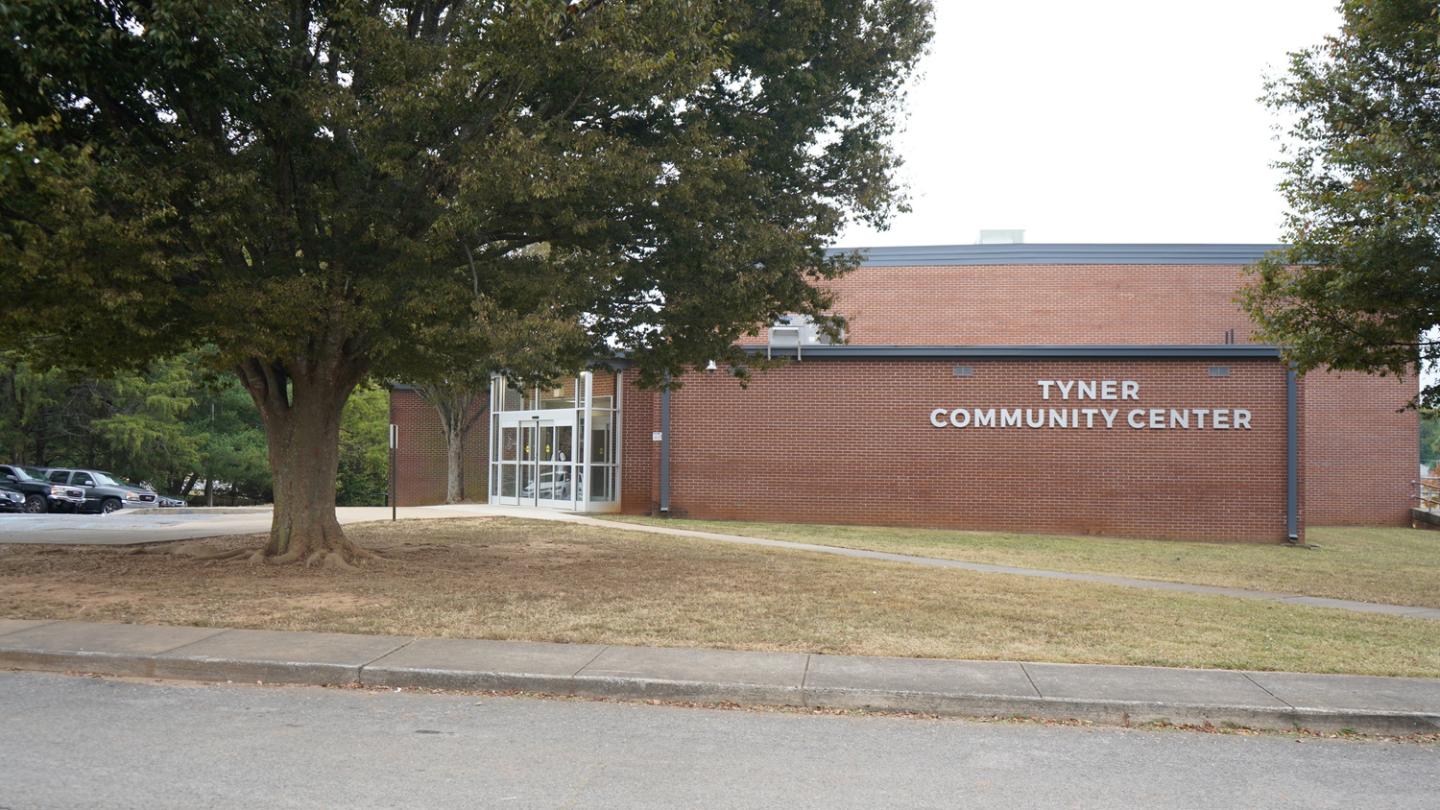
[104,493]
[41,495]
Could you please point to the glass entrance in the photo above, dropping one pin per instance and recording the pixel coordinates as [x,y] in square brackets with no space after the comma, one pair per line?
[557,446]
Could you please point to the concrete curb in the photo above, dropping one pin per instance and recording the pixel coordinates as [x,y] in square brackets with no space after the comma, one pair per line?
[1101,694]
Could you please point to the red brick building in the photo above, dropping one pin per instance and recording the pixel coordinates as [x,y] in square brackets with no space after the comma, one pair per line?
[1106,389]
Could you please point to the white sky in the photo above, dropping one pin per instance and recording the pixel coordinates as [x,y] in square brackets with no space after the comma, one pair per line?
[1098,121]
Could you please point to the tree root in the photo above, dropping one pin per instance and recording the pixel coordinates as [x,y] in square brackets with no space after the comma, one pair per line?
[333,559]
[201,552]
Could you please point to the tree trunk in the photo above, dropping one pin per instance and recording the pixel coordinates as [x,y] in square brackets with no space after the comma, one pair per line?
[186,485]
[300,406]
[455,462]
[455,405]
[209,491]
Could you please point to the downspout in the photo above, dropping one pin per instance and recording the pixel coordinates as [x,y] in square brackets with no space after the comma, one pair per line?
[1292,456]
[665,449]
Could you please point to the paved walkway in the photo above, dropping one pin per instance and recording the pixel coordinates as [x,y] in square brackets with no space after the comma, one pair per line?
[152,526]
[141,526]
[1109,694]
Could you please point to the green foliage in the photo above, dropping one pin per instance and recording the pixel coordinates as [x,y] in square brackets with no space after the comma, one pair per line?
[1358,289]
[364,449]
[168,424]
[174,424]
[332,191]
[290,180]
[232,449]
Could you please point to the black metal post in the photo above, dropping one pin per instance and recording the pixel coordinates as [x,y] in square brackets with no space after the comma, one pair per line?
[394,477]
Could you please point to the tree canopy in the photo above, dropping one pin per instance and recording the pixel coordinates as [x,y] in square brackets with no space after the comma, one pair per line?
[329,190]
[1357,288]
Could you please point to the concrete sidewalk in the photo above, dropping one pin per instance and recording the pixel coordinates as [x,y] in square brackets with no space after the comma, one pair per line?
[1107,694]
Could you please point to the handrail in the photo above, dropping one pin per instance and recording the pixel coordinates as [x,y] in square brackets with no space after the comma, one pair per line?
[1428,493]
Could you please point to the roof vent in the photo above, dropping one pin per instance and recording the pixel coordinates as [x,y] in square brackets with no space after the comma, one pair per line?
[1002,237]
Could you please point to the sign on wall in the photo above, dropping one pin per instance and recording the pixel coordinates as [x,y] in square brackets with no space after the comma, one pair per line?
[1083,404]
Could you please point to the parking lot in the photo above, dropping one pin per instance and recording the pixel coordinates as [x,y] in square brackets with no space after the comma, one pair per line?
[168,525]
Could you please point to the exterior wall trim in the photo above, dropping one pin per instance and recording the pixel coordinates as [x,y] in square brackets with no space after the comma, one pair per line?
[1137,352]
[1058,253]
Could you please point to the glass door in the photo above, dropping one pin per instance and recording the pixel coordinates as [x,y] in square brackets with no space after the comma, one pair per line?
[541,471]
[555,453]
[509,466]
[529,431]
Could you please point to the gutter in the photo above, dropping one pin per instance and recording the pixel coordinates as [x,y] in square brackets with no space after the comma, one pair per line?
[1292,456]
[665,451]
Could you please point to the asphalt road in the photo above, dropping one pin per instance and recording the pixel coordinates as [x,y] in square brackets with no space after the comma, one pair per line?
[69,742]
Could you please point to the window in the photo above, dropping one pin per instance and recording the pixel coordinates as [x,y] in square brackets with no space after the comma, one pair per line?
[81,479]
[60,476]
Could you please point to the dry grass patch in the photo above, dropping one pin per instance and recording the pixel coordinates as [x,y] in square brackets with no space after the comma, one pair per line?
[1388,565]
[514,579]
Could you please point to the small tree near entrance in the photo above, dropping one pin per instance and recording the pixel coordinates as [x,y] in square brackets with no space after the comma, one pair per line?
[458,413]
[322,191]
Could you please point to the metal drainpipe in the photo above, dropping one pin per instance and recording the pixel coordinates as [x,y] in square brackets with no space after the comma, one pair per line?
[665,449]
[1292,456]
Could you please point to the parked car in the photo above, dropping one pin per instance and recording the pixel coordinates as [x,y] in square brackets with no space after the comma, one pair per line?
[553,486]
[167,502]
[11,498]
[104,493]
[41,494]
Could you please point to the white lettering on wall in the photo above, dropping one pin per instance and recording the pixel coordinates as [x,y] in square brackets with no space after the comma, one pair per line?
[1153,418]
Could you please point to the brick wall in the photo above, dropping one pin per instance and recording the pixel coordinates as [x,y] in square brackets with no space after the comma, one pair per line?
[1359,461]
[1368,456]
[421,455]
[1363,455]
[967,305]
[850,441]
[1041,304]
[640,453]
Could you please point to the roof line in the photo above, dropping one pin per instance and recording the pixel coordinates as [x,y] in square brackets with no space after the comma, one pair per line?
[1060,253]
[1221,351]
[1236,351]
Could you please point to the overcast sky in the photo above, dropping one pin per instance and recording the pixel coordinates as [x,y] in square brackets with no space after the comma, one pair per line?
[1097,121]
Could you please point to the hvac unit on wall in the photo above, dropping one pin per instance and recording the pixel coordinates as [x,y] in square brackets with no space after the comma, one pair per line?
[798,331]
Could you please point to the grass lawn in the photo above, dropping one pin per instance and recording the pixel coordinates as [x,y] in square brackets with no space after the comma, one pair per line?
[517,579]
[1391,565]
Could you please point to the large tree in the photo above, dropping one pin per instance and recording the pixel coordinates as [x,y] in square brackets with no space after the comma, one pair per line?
[1359,285]
[313,187]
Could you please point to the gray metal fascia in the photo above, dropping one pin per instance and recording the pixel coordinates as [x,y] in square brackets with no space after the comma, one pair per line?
[1134,352]
[1059,253]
